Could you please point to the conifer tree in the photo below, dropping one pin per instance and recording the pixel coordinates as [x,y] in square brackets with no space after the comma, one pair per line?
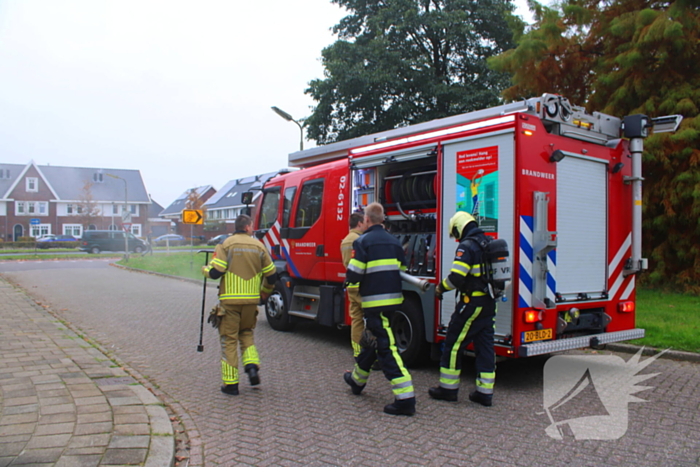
[625,57]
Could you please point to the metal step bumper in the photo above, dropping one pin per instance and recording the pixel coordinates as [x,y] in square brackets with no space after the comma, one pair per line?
[539,348]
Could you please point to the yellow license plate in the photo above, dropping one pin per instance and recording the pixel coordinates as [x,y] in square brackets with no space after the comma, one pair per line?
[539,335]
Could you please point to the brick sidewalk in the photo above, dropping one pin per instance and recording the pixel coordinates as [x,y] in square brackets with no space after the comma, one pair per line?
[64,403]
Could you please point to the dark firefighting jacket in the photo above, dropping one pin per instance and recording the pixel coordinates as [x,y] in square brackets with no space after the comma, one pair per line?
[377,261]
[466,274]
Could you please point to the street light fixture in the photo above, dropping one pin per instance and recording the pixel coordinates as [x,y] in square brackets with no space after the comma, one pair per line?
[289,118]
[124,215]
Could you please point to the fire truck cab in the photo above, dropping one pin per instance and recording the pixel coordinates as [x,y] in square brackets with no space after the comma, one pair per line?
[552,180]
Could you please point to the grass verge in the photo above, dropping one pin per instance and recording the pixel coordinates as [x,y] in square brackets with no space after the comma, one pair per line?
[187,264]
[671,320]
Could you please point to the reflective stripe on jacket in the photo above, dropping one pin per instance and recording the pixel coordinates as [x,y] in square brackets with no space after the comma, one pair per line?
[378,259]
[465,273]
[244,261]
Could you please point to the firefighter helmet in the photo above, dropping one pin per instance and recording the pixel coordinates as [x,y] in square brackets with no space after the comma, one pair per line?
[458,222]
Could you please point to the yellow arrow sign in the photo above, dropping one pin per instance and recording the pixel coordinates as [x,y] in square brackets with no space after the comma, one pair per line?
[192,216]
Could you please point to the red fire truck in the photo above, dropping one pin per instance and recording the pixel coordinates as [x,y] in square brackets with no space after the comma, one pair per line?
[561,186]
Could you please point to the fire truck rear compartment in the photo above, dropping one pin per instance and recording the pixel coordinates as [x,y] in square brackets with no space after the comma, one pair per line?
[575,322]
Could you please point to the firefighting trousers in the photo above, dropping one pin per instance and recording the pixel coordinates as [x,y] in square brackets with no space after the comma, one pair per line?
[357,322]
[236,329]
[471,322]
[387,354]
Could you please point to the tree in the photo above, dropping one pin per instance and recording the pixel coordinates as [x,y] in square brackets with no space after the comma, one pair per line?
[624,57]
[88,210]
[194,200]
[399,62]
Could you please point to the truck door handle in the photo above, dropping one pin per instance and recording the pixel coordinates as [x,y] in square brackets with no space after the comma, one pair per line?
[319,250]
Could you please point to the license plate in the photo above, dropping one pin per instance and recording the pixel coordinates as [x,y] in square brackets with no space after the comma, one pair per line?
[539,335]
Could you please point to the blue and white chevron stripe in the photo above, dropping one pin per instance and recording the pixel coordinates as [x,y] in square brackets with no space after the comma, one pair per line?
[526,283]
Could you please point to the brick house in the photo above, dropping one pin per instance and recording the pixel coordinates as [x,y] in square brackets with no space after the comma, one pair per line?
[38,200]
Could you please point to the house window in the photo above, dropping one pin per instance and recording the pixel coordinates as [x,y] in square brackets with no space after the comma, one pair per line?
[40,229]
[32,184]
[43,208]
[136,229]
[31,207]
[134,209]
[115,209]
[75,230]
[19,208]
[69,210]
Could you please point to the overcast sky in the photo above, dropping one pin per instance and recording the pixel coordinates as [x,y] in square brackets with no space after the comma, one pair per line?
[180,90]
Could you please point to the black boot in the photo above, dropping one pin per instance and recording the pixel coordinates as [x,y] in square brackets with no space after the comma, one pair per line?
[356,388]
[481,398]
[253,376]
[401,407]
[443,394]
[230,389]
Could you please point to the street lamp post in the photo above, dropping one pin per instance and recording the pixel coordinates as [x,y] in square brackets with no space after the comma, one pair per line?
[289,118]
[124,214]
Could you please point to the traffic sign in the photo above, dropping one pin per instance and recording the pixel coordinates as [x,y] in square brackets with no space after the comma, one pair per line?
[126,226]
[192,216]
[35,221]
[126,216]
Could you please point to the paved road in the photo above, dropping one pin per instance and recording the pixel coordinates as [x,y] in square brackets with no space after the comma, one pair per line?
[305,415]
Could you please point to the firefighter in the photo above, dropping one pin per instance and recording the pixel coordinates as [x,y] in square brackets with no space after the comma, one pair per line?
[473,319]
[247,274]
[357,325]
[377,261]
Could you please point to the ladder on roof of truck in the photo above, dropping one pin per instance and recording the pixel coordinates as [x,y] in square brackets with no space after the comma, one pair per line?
[555,110]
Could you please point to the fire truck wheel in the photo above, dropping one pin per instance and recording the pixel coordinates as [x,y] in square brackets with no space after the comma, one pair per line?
[276,307]
[409,332]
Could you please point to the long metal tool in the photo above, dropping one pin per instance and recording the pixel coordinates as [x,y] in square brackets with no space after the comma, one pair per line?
[200,347]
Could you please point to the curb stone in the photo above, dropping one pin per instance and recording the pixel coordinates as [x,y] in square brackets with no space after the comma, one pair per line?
[650,351]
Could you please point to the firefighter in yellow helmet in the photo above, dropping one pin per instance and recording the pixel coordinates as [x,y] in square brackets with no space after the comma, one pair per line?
[247,273]
[357,325]
[474,316]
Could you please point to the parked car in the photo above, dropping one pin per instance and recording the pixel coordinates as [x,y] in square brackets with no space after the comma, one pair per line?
[45,237]
[57,238]
[170,239]
[94,241]
[46,240]
[218,239]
